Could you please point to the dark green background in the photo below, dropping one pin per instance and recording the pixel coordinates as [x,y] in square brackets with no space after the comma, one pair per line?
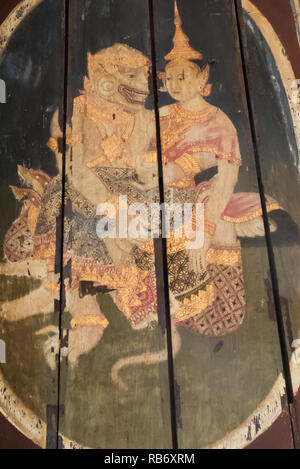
[222,380]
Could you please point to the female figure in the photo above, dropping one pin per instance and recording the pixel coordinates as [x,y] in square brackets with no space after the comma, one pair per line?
[201,158]
[201,163]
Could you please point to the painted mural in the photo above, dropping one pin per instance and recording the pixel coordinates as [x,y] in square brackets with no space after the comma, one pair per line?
[111,151]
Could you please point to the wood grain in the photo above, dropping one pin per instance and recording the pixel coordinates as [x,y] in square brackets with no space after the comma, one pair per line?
[88,363]
[28,385]
[219,406]
[279,153]
[107,406]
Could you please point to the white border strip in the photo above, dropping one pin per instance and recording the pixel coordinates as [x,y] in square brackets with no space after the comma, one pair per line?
[284,66]
[10,24]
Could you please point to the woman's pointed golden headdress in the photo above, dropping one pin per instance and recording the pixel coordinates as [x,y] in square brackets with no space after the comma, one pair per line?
[182,48]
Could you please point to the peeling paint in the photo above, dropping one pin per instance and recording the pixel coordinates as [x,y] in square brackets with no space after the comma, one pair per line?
[258,422]
[20,12]
[33,427]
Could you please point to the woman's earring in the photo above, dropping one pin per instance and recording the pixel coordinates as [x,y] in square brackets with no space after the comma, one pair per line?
[207,90]
[162,77]
[163,88]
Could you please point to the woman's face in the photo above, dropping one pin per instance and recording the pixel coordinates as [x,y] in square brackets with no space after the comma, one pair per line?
[182,81]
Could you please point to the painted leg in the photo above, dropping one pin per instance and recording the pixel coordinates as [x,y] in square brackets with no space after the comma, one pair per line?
[39,301]
[34,268]
[88,325]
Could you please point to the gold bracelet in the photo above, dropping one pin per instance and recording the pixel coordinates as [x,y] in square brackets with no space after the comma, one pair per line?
[91,320]
[71,140]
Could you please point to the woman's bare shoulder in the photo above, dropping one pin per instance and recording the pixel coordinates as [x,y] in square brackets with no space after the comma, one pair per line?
[221,116]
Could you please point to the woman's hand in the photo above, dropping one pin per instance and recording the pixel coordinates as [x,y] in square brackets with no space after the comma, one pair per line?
[197,257]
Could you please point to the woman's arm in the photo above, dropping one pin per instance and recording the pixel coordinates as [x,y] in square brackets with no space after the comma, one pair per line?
[221,190]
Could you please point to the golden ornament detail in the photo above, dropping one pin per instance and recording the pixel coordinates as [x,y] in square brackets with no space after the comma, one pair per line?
[196,304]
[90,320]
[251,216]
[118,55]
[182,48]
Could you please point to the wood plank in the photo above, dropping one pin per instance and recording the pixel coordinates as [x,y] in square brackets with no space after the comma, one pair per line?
[34,90]
[223,383]
[229,367]
[296,12]
[111,312]
[272,75]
